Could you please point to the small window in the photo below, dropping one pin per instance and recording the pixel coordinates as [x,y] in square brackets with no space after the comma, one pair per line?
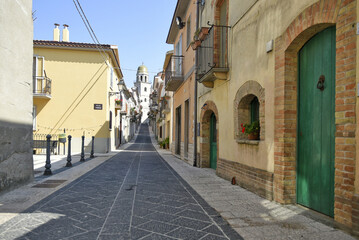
[188,24]
[145,89]
[145,100]
[111,83]
[141,78]
[110,122]
[254,110]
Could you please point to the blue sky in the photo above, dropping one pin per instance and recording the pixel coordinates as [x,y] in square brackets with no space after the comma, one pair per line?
[139,28]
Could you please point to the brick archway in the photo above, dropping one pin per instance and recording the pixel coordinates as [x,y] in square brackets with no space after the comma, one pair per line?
[312,20]
[206,111]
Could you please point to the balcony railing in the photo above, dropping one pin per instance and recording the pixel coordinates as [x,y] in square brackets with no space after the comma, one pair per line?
[213,55]
[174,73]
[42,87]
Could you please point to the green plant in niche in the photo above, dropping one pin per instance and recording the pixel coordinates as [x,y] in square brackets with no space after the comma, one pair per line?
[250,128]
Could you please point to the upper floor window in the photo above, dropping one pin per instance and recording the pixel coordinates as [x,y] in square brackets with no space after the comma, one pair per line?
[111,78]
[141,78]
[145,89]
[188,25]
[254,107]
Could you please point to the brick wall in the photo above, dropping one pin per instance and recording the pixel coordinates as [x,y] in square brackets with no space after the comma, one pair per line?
[312,20]
[355,215]
[255,180]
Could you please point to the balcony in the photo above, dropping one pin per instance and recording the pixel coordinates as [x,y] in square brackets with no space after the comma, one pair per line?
[174,73]
[213,56]
[42,87]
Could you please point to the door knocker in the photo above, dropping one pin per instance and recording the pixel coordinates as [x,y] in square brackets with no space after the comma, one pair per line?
[320,84]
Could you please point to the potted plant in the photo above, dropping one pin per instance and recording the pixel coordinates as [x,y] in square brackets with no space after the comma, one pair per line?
[166,143]
[195,44]
[196,41]
[203,33]
[118,101]
[252,130]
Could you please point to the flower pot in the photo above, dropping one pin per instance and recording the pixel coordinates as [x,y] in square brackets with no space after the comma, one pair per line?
[196,44]
[203,33]
[253,136]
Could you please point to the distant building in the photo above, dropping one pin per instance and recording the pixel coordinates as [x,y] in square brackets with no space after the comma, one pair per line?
[75,88]
[143,89]
[16,162]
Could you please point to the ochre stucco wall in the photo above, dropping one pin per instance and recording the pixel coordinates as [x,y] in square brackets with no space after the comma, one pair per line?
[80,79]
[248,60]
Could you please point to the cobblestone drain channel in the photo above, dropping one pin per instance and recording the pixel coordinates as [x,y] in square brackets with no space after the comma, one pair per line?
[133,195]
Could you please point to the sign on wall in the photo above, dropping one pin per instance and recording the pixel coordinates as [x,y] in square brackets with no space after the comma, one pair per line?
[97,106]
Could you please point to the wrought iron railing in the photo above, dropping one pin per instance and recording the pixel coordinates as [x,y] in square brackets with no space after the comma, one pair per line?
[213,52]
[174,68]
[42,85]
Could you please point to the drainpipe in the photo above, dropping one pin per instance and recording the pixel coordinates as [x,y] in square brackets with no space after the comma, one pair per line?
[195,94]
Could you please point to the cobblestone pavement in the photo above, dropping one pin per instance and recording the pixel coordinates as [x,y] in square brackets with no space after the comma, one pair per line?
[133,195]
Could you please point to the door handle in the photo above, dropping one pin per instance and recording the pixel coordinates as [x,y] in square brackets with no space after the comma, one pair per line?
[320,84]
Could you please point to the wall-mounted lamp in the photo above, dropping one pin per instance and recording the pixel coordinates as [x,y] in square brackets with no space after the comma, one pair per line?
[179,22]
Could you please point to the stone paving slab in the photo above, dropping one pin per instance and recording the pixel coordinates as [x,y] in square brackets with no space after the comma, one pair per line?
[250,215]
[133,195]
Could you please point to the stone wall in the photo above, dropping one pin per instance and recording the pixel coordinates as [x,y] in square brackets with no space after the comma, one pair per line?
[16,163]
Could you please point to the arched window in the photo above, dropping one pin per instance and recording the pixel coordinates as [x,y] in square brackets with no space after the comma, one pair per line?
[145,89]
[141,78]
[249,109]
[254,108]
[145,100]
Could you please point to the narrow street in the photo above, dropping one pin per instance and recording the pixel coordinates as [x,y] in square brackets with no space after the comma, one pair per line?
[133,195]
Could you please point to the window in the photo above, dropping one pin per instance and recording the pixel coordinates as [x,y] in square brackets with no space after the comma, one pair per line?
[110,122]
[188,31]
[38,74]
[34,118]
[161,132]
[250,109]
[111,78]
[145,89]
[141,78]
[145,100]
[254,110]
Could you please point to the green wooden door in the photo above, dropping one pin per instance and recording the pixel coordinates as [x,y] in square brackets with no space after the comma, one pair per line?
[213,142]
[316,123]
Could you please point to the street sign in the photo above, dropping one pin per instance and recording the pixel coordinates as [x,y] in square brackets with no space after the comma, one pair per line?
[97,106]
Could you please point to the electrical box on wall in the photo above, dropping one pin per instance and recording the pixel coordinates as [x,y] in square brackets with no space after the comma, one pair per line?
[269,46]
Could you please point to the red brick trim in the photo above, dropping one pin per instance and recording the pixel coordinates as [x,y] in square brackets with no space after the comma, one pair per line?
[255,180]
[206,111]
[312,20]
[355,214]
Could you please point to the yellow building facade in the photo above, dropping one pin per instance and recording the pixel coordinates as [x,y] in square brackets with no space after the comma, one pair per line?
[75,87]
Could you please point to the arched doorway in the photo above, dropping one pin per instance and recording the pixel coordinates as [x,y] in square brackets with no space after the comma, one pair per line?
[213,142]
[316,123]
[209,131]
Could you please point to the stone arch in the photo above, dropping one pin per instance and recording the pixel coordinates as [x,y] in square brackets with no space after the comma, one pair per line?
[206,111]
[244,96]
[311,21]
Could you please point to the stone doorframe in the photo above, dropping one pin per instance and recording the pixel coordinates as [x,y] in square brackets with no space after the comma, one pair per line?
[324,13]
[206,111]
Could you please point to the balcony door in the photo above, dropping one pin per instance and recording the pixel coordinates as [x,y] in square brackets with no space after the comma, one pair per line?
[222,35]
[177,60]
